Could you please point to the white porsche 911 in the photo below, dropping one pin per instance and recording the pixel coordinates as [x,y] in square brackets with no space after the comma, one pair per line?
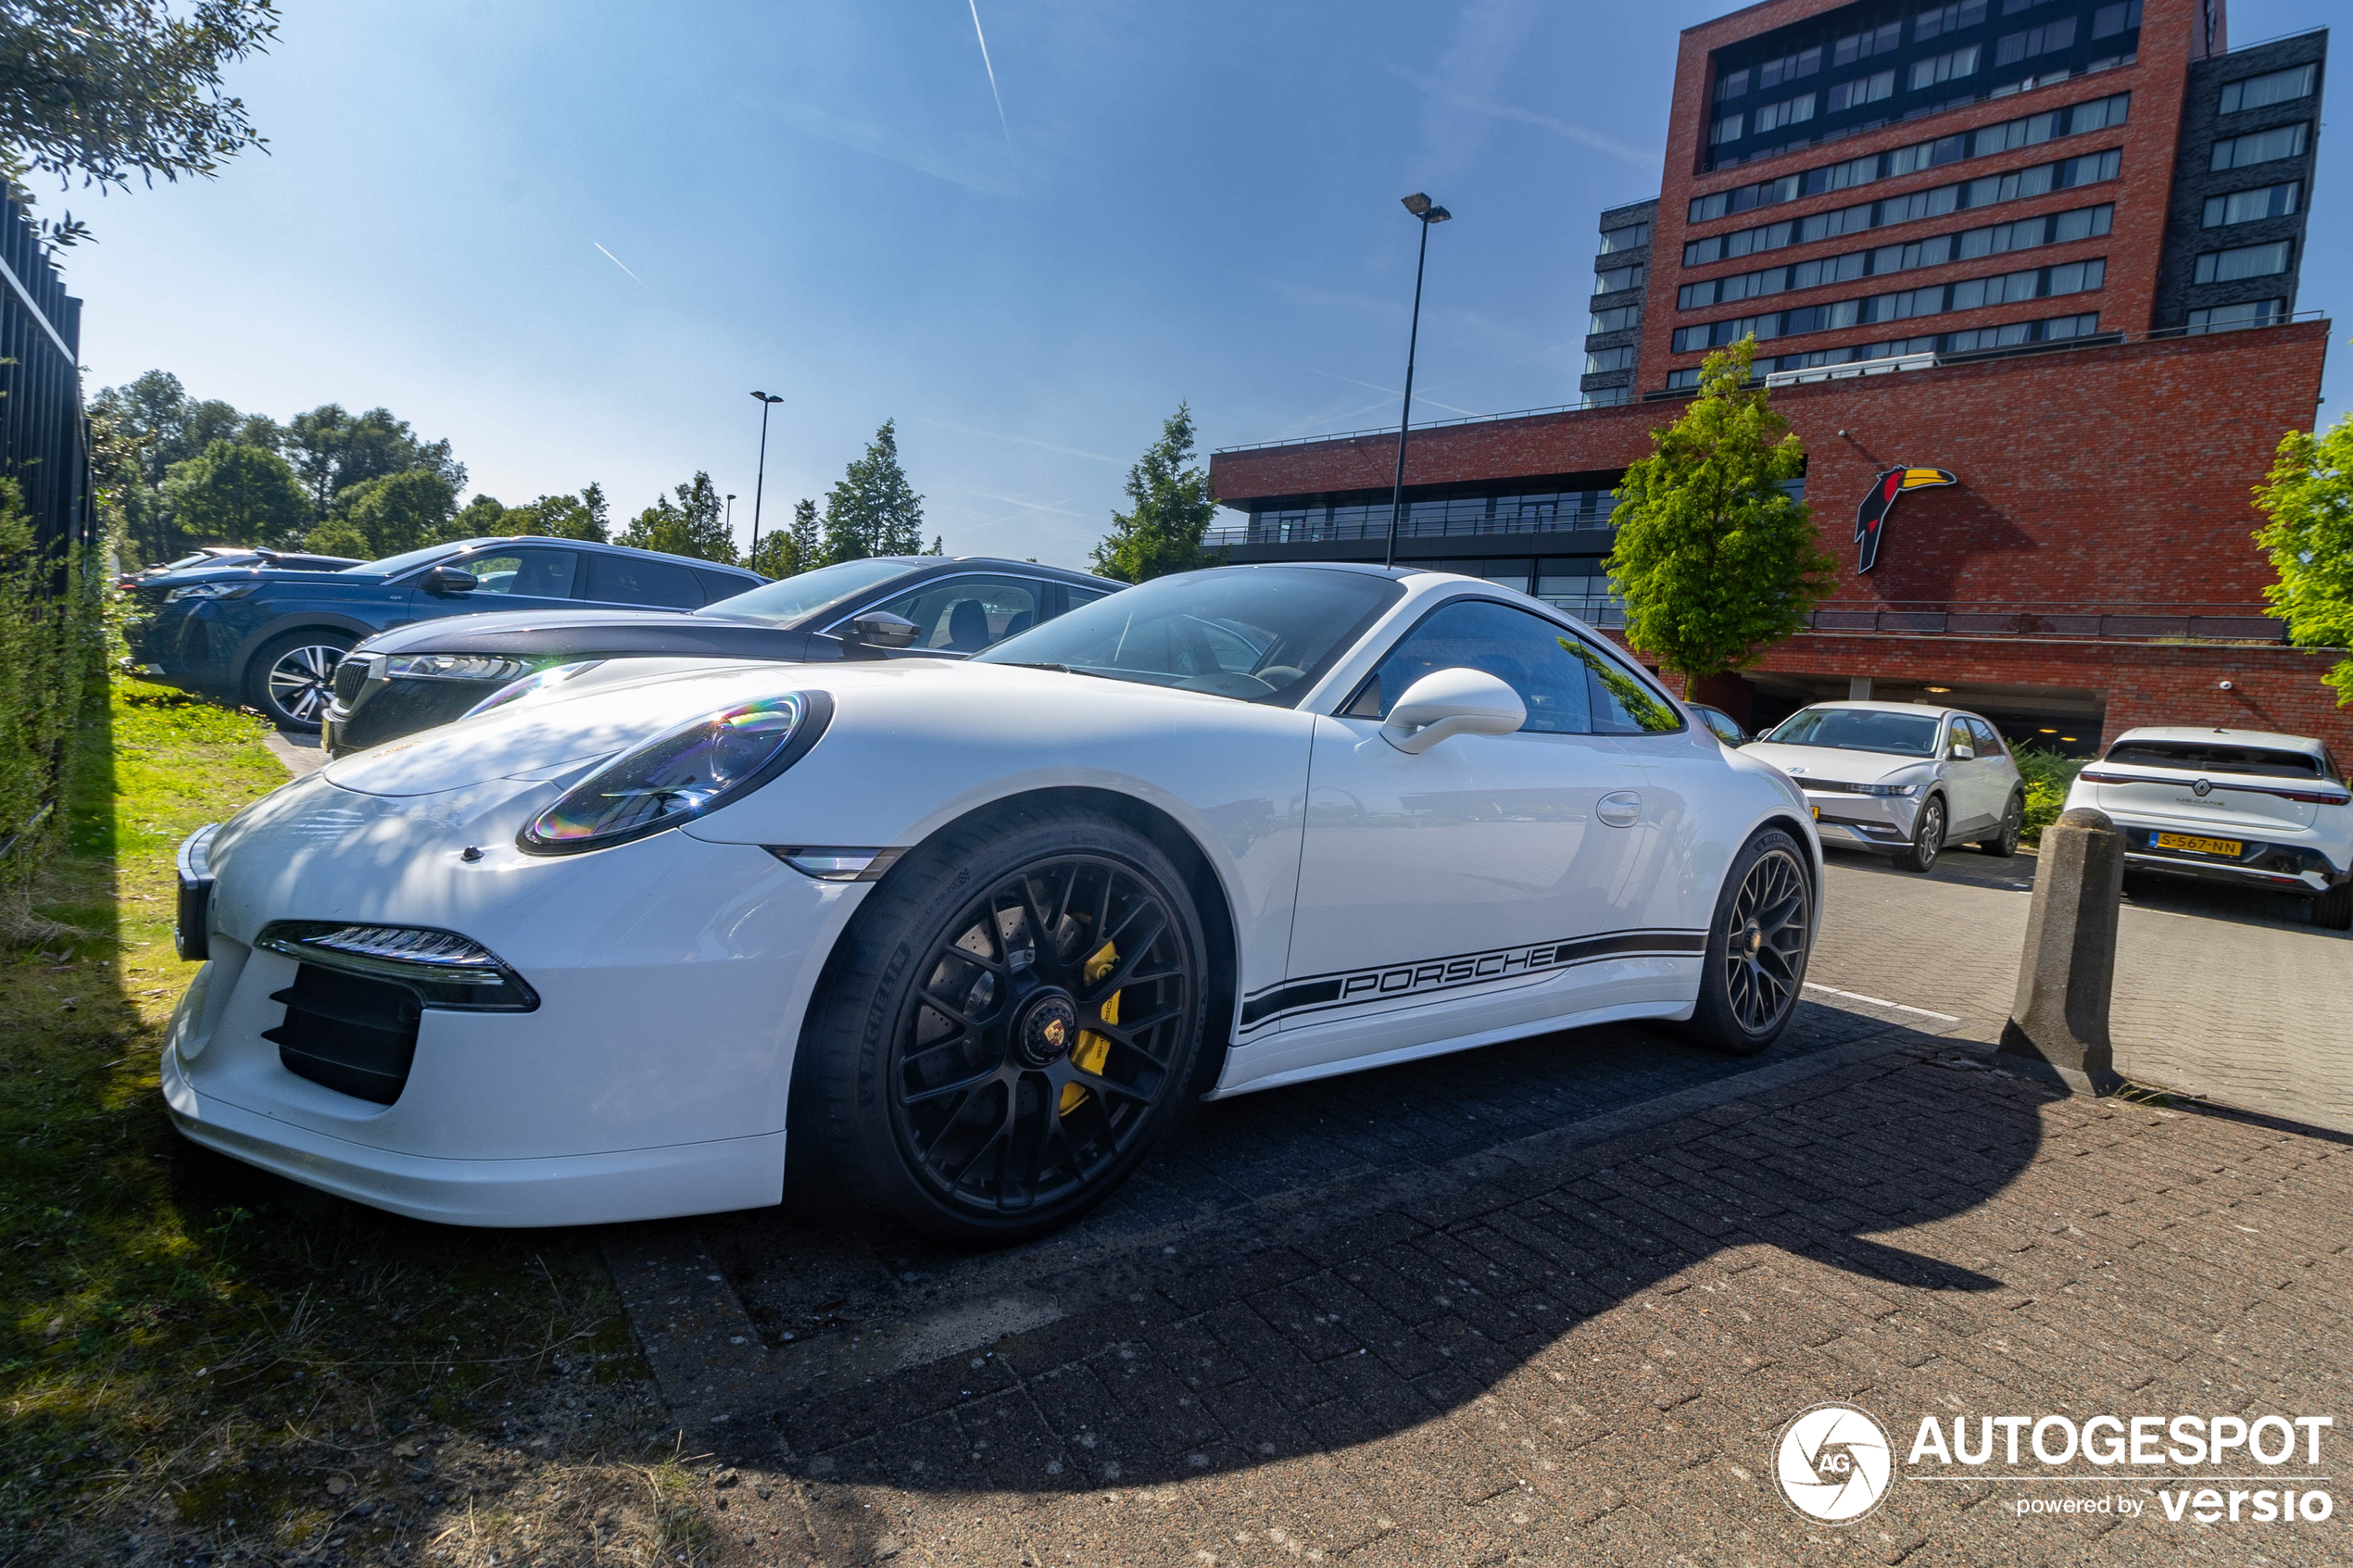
[966,937]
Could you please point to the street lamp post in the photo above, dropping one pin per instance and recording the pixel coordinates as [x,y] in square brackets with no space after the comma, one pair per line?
[1421,207]
[760,482]
[731,518]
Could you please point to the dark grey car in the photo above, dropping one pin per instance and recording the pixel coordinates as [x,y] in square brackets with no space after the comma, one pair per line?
[890,607]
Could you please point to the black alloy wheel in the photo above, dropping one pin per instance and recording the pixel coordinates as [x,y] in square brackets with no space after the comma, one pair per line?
[292,678]
[2004,843]
[1754,971]
[1028,1047]
[1927,837]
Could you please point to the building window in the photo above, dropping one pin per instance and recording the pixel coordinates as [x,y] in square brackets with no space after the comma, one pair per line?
[1609,360]
[1618,278]
[2024,234]
[2110,21]
[1970,294]
[2231,317]
[2246,207]
[2297,81]
[1790,111]
[1945,68]
[2027,131]
[2048,39]
[1617,318]
[2247,261]
[1863,90]
[2064,175]
[1789,67]
[1941,19]
[1732,86]
[1862,45]
[1629,238]
[1729,129]
[2261,147]
[1608,396]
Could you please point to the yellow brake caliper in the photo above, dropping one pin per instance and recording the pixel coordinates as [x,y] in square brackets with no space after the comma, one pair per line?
[1094,1050]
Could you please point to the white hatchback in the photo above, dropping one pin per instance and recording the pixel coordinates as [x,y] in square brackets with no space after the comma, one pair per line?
[2243,807]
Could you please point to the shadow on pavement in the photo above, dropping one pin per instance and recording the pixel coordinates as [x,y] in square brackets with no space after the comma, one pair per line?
[1187,1357]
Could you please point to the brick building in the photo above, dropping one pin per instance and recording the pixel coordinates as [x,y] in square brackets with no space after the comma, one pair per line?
[2049,245]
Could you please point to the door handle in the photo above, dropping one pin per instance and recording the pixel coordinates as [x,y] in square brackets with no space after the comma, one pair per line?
[1621,809]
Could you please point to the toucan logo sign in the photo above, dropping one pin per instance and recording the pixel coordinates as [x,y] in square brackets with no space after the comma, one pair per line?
[1870,517]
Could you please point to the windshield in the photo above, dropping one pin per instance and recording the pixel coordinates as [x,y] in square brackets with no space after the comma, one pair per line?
[392,565]
[2206,756]
[808,592]
[1861,729]
[1261,634]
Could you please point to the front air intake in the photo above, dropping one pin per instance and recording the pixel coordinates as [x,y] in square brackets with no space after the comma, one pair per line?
[352,1034]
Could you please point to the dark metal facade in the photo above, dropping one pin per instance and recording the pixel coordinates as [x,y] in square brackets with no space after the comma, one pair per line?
[44,443]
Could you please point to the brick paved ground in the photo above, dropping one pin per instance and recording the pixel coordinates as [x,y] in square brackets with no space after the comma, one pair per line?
[1589,1359]
[2229,995]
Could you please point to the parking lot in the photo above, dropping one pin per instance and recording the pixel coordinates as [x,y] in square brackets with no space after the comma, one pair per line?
[1554,1300]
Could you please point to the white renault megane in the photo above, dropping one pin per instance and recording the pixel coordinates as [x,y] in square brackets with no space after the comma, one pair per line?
[965,937]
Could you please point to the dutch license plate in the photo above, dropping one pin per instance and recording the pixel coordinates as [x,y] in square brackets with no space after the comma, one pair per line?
[2198,846]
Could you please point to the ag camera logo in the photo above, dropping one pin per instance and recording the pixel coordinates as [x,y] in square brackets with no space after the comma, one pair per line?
[1834,1463]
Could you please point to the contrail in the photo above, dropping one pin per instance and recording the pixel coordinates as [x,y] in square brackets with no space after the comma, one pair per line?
[624,265]
[992,73]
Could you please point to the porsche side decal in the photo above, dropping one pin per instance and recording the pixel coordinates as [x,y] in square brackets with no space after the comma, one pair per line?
[1326,991]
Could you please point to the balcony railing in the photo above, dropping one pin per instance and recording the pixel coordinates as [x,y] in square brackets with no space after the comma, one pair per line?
[1272,529]
[2113,620]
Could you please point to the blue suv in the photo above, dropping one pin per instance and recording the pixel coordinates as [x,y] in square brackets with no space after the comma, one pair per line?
[271,639]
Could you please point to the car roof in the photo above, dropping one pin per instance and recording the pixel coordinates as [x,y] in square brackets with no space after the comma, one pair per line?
[1862,706]
[2216,736]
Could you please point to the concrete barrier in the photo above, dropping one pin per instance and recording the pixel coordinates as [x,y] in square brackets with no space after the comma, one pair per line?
[2057,1027]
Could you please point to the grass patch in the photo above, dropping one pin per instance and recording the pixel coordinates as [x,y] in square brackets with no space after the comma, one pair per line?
[198,1360]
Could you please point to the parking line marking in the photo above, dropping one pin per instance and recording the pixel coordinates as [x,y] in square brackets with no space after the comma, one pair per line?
[1880,1002]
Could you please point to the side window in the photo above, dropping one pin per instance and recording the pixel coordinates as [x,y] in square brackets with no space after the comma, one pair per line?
[1540,661]
[967,614]
[717,585]
[1080,597]
[634,580]
[539,574]
[1983,737]
[1623,704]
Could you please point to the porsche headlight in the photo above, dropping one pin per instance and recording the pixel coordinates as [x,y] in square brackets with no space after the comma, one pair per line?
[681,775]
[515,691]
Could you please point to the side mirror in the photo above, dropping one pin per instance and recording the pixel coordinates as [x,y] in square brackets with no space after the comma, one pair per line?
[449,579]
[1963,752]
[1452,702]
[880,629]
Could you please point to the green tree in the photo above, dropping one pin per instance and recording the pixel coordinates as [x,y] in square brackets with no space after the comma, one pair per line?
[236,495]
[1718,561]
[693,524]
[874,510]
[2309,498]
[334,450]
[482,518]
[793,549]
[109,90]
[561,517]
[389,514]
[1172,510]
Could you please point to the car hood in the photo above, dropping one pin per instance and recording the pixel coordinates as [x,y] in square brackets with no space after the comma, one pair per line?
[570,728]
[1830,765]
[598,634]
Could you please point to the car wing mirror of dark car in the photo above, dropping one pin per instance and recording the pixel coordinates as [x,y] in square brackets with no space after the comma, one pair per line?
[880,629]
[449,579]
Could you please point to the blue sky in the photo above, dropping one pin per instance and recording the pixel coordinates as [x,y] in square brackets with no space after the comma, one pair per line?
[822,200]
